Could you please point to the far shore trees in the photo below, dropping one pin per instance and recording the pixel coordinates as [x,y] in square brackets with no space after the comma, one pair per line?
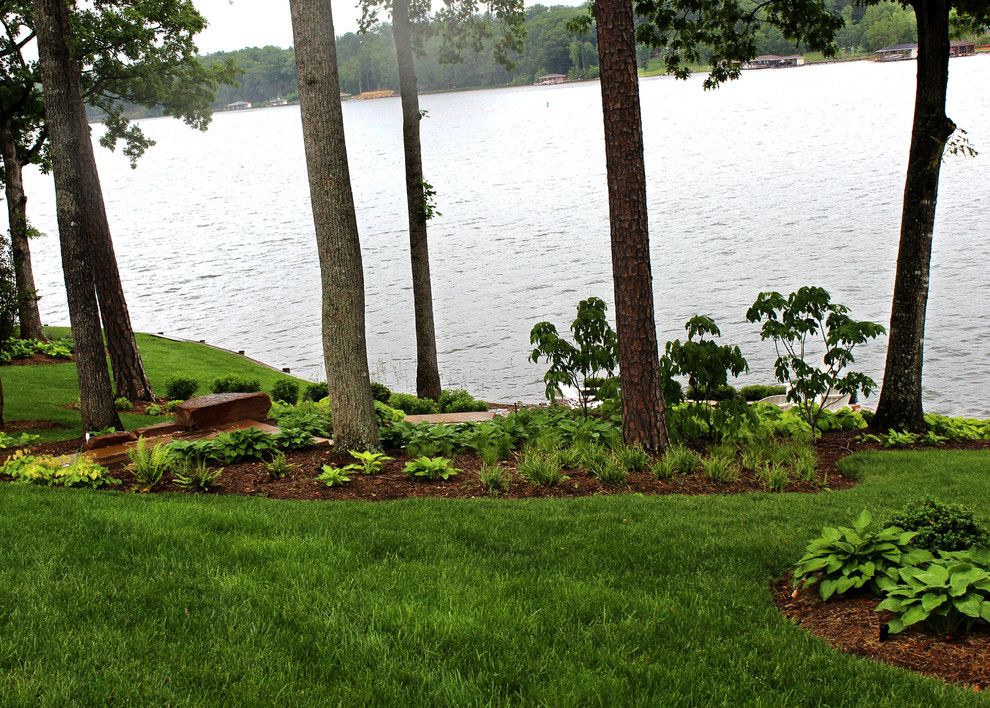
[73,164]
[900,405]
[345,349]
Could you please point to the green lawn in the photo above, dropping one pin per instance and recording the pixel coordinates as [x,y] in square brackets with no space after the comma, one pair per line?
[36,392]
[186,600]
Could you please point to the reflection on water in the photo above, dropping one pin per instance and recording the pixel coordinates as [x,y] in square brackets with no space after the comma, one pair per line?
[781,179]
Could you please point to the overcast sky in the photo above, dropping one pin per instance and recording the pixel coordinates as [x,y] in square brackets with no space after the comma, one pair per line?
[235,24]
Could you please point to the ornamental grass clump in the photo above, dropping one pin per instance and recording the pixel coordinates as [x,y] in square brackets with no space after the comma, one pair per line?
[541,467]
[720,468]
[494,478]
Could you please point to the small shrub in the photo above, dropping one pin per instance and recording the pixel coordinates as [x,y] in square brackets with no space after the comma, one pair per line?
[940,526]
[756,392]
[860,557]
[575,456]
[369,462]
[181,388]
[312,418]
[246,444]
[409,404]
[720,468]
[633,458]
[235,384]
[541,467]
[490,441]
[149,464]
[494,478]
[316,392]
[292,439]
[457,400]
[154,409]
[430,468]
[170,406]
[285,391]
[55,472]
[197,476]
[432,440]
[380,392]
[7,440]
[806,465]
[334,476]
[122,404]
[279,466]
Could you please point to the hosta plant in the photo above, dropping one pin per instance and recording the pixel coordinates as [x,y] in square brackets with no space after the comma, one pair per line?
[430,468]
[951,595]
[368,462]
[334,476]
[249,443]
[862,557]
[56,472]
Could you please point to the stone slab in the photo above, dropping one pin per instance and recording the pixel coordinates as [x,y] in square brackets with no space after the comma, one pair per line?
[451,418]
[221,408]
[110,440]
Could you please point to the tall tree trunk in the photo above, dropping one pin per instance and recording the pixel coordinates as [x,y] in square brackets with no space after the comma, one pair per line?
[28,314]
[427,368]
[70,146]
[345,349]
[643,417]
[900,403]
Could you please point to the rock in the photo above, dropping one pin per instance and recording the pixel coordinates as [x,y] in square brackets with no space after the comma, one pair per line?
[118,438]
[220,408]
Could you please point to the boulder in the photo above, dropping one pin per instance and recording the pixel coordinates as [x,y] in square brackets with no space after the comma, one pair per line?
[221,408]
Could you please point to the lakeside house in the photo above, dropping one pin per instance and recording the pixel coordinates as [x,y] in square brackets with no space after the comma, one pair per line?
[897,52]
[961,48]
[277,101]
[773,61]
[238,105]
[550,79]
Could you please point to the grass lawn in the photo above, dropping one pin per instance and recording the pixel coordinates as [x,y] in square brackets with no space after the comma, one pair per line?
[36,392]
[204,600]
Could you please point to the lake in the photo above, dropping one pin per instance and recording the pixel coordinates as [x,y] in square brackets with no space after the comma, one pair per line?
[781,179]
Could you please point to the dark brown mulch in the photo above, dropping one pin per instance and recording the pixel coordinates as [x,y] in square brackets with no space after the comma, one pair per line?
[38,360]
[853,625]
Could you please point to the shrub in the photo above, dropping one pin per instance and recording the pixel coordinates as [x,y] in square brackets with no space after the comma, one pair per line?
[249,443]
[195,450]
[292,439]
[369,462]
[940,526]
[334,476]
[122,404]
[154,409]
[683,459]
[149,464]
[279,466]
[756,392]
[861,557]
[494,478]
[490,441]
[407,403]
[54,472]
[285,391]
[431,440]
[951,594]
[316,392]
[235,384]
[457,400]
[197,476]
[380,392]
[181,388]
[170,406]
[541,467]
[7,440]
[430,468]
[310,417]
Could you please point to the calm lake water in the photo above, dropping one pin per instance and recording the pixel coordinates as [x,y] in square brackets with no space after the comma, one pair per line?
[781,179]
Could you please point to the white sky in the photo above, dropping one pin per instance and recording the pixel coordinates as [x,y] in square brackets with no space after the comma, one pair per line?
[235,24]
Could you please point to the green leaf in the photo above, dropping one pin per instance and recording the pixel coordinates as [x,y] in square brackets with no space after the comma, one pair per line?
[971,605]
[914,614]
[930,601]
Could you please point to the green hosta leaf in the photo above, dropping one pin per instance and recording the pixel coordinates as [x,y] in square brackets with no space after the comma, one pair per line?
[970,605]
[914,614]
[895,626]
[863,520]
[964,577]
[827,588]
[891,604]
[845,584]
[932,600]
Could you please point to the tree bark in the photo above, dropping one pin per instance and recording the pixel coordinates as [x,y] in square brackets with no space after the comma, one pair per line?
[427,368]
[643,417]
[70,145]
[900,405]
[345,348]
[28,313]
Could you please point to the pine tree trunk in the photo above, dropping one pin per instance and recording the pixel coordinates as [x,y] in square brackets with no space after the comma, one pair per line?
[643,417]
[427,368]
[900,405]
[69,140]
[28,313]
[345,349]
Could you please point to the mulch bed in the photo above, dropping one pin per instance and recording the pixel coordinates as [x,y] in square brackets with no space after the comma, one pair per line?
[852,624]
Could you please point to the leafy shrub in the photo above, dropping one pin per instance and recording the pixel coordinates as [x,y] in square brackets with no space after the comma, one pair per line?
[154,409]
[430,468]
[380,392]
[122,404]
[246,444]
[235,384]
[861,557]
[196,450]
[904,438]
[334,476]
[197,476]
[55,472]
[491,442]
[386,414]
[541,467]
[593,354]
[951,594]
[149,464]
[940,526]
[56,348]
[632,457]
[431,440]
[285,391]
[407,403]
[369,462]
[958,429]
[170,406]
[457,400]
[494,478]
[720,468]
[279,466]
[592,431]
[756,392]
[316,392]
[292,439]
[7,440]
[181,388]
[313,418]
